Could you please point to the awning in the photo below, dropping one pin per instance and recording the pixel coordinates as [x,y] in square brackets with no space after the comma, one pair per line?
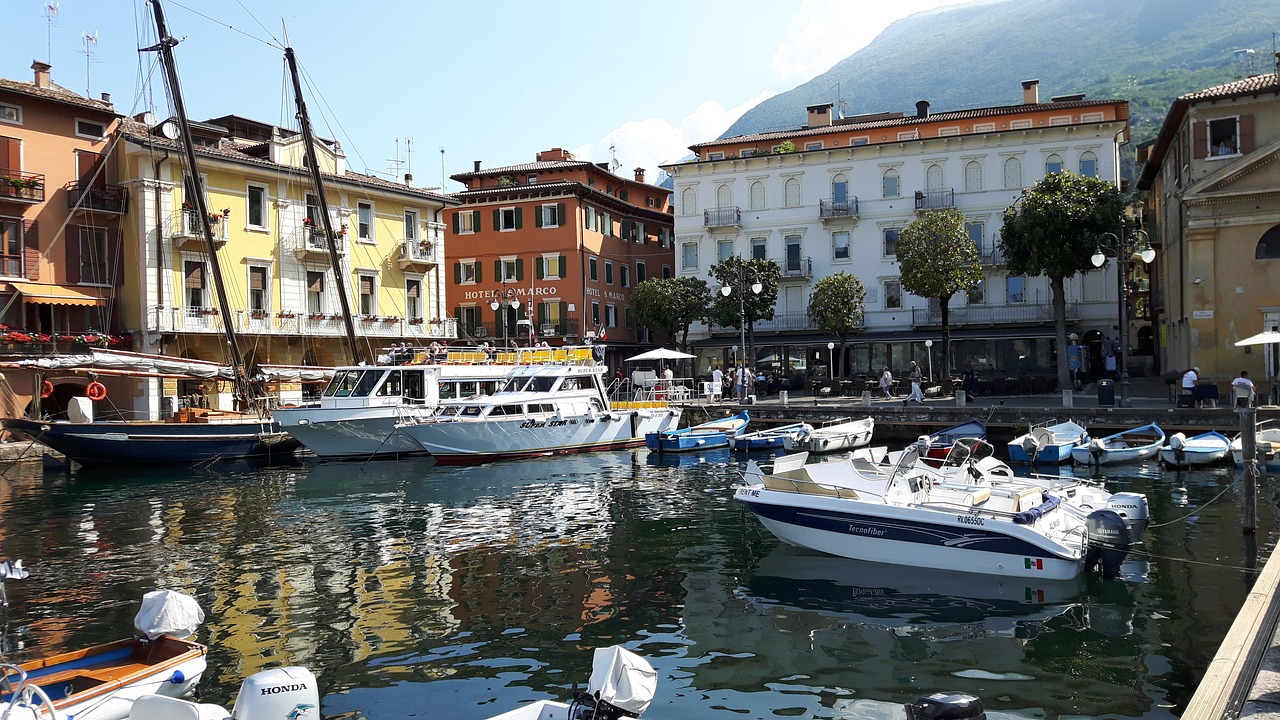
[55,295]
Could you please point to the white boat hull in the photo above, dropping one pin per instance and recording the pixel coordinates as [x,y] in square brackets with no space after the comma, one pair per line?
[839,438]
[117,704]
[334,433]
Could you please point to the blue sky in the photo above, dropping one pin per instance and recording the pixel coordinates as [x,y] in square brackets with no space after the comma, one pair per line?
[491,81]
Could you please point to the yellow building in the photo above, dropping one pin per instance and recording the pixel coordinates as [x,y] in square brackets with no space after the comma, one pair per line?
[282,290]
[1214,217]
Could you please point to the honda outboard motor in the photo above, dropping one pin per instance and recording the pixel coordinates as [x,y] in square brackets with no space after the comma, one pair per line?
[947,706]
[1133,508]
[288,692]
[1109,542]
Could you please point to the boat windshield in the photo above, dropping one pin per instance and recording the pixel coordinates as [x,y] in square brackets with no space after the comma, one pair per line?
[515,384]
[352,383]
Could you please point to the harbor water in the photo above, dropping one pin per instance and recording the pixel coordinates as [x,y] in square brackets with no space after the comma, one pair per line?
[415,590]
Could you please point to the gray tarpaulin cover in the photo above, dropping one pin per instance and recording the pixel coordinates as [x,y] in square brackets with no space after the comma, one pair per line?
[622,679]
[168,612]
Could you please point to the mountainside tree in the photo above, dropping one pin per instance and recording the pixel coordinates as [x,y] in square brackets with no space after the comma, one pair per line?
[837,308]
[739,275]
[1053,230]
[938,259]
[671,305]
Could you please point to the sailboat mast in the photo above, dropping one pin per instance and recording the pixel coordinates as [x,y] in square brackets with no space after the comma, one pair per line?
[165,47]
[331,240]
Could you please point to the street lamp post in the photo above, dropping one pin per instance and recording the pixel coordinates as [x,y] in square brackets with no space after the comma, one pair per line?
[504,298]
[928,351]
[831,363]
[727,290]
[1125,250]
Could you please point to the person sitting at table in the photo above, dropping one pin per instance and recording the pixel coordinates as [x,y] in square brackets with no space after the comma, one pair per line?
[1242,390]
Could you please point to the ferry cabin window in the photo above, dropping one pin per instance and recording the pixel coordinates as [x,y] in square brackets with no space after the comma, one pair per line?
[471,411]
[542,408]
[344,382]
[414,386]
[543,384]
[392,386]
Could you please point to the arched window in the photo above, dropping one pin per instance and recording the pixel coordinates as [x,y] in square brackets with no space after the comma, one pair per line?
[1088,164]
[689,201]
[757,195]
[1269,245]
[1012,173]
[973,176]
[791,192]
[839,188]
[724,196]
[1053,164]
[889,184]
[933,177]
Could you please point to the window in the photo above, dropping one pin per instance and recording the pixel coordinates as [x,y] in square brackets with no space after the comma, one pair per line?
[364,221]
[757,195]
[860,140]
[908,135]
[193,285]
[724,196]
[666,272]
[1268,245]
[890,245]
[531,179]
[715,155]
[689,256]
[593,269]
[688,201]
[839,189]
[624,276]
[813,145]
[1012,173]
[413,299]
[641,272]
[11,114]
[11,247]
[608,272]
[1020,125]
[747,152]
[367,285]
[467,272]
[606,224]
[1091,117]
[793,260]
[984,127]
[550,216]
[840,246]
[948,131]
[466,222]
[315,292]
[410,225]
[509,268]
[892,294]
[1223,138]
[469,323]
[758,247]
[791,190]
[506,219]
[90,129]
[1060,120]
[595,313]
[552,267]
[933,177]
[93,256]
[973,176]
[1053,164]
[975,231]
[611,315]
[257,206]
[977,295]
[724,250]
[1088,164]
[257,288]
[889,184]
[1015,289]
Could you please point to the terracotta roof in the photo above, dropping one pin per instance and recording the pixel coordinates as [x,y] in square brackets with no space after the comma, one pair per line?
[141,134]
[1235,88]
[56,93]
[566,187]
[906,120]
[526,167]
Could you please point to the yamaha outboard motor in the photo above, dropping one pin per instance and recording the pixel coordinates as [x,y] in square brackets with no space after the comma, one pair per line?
[1109,542]
[947,706]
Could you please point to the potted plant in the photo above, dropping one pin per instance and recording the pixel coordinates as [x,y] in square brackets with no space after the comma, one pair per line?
[287,314]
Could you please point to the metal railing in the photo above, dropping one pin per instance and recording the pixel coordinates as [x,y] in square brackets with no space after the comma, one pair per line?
[184,225]
[838,208]
[420,251]
[992,256]
[935,199]
[99,198]
[209,320]
[18,185]
[722,217]
[781,322]
[801,267]
[1020,313]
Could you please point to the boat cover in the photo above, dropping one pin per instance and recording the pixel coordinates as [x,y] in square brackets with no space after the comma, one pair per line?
[168,612]
[622,679]
[1026,517]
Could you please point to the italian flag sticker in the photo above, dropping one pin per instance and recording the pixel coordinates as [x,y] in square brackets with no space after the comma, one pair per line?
[1034,563]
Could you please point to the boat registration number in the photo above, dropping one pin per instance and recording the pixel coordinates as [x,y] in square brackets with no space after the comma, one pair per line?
[969,519]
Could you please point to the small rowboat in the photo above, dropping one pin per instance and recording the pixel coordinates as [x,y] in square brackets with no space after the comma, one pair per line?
[1048,444]
[1203,449]
[783,437]
[708,435]
[841,436]
[1132,445]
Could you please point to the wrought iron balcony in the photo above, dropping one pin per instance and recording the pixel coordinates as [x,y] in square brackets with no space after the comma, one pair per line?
[991,256]
[1012,314]
[296,323]
[838,209]
[308,241]
[21,186]
[781,322]
[797,267]
[564,327]
[935,199]
[98,198]
[722,217]
[185,230]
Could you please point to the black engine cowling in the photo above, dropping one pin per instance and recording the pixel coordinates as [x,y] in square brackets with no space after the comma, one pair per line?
[1109,542]
[947,706]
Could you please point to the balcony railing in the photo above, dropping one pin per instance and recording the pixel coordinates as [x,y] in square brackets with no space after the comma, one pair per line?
[1016,313]
[992,256]
[21,186]
[564,327]
[800,267]
[722,217]
[936,199]
[834,209]
[308,240]
[422,252]
[98,198]
[185,229]
[296,323]
[781,322]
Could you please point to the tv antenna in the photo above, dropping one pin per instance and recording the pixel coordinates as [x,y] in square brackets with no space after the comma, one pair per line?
[613,162]
[90,43]
[442,177]
[50,19]
[395,164]
[1244,56]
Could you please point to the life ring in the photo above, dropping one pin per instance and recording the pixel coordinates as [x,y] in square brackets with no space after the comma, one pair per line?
[96,391]
[46,390]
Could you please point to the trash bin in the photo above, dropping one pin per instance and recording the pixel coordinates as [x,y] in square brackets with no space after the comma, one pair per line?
[1106,393]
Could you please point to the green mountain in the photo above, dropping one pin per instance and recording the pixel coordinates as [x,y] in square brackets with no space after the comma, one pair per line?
[976,55]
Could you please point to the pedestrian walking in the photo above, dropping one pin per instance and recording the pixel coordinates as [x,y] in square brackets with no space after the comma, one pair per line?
[915,376]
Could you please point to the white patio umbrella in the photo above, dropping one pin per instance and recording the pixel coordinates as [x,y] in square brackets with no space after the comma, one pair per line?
[660,354]
[1263,338]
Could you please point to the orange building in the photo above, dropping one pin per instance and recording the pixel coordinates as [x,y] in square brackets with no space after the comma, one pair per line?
[60,214]
[550,250]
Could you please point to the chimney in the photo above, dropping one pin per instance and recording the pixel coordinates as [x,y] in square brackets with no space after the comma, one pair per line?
[819,115]
[639,174]
[42,73]
[554,155]
[106,98]
[477,168]
[408,178]
[922,108]
[603,166]
[1030,92]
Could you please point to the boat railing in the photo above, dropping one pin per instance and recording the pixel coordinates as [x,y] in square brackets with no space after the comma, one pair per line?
[804,486]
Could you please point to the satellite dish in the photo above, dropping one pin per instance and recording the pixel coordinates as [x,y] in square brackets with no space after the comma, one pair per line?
[169,129]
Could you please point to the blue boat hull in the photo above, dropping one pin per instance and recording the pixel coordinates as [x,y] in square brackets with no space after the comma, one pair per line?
[122,443]
[707,436]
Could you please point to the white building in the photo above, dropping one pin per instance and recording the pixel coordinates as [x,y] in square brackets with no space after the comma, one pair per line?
[836,199]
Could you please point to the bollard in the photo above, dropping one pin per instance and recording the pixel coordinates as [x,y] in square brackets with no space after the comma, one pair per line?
[866,398]
[782,395]
[1067,399]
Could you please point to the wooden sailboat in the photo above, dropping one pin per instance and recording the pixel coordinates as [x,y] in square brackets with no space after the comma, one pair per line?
[189,437]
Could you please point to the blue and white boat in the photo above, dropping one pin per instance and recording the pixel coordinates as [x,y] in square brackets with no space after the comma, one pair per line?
[783,437]
[941,442]
[1203,449]
[1267,438]
[1132,445]
[713,434]
[1049,444]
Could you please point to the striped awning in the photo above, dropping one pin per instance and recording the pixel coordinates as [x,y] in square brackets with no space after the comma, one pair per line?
[56,295]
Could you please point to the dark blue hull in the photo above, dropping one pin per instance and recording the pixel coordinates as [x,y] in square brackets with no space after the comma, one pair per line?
[131,443]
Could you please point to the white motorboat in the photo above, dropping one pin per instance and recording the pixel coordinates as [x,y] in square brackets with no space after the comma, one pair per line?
[622,685]
[1132,445]
[1048,444]
[904,515]
[784,437]
[841,435]
[1203,449]
[1267,438]
[360,407]
[537,410]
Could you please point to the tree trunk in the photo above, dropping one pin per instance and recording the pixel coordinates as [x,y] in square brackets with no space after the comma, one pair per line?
[945,304]
[1060,330]
[844,369]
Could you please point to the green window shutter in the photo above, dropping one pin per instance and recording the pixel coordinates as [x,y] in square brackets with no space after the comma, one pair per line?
[497,219]
[537,216]
[457,224]
[519,268]
[560,213]
[497,269]
[478,278]
[519,223]
[542,316]
[475,221]
[457,273]
[626,229]
[538,263]
[563,266]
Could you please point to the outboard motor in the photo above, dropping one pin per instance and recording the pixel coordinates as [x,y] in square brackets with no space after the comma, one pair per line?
[947,706]
[287,692]
[1109,542]
[622,685]
[1096,446]
[1178,443]
[1133,508]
